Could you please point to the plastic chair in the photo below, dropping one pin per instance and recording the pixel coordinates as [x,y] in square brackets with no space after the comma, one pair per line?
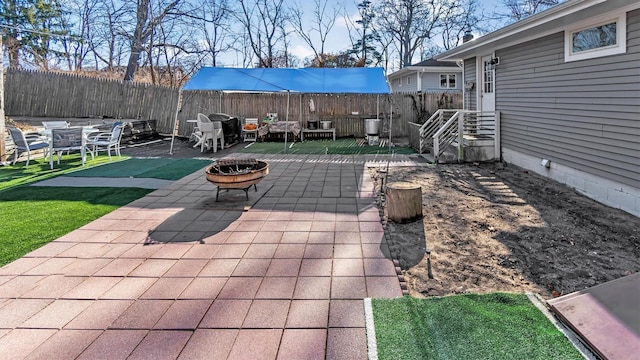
[107,141]
[250,129]
[206,128]
[70,139]
[218,134]
[26,144]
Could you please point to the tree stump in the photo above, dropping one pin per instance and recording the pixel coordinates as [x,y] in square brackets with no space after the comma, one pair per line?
[403,201]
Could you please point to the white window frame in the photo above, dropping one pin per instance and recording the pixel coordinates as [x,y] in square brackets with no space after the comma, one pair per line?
[408,80]
[448,75]
[620,47]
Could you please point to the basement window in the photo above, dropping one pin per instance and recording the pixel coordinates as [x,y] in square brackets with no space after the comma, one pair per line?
[596,39]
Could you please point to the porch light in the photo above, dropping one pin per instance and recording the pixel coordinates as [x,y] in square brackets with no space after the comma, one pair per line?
[491,64]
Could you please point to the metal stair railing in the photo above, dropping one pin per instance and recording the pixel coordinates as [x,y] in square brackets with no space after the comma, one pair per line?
[431,126]
[446,134]
[466,123]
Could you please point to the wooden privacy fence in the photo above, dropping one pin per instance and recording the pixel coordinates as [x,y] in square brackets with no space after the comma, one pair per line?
[346,111]
[55,95]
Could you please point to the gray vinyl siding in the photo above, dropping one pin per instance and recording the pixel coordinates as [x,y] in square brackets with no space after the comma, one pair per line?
[470,97]
[584,114]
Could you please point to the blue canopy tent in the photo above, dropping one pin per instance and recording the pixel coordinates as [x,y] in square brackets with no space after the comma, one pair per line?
[305,80]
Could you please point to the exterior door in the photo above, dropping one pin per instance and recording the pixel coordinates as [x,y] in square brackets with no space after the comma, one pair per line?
[488,80]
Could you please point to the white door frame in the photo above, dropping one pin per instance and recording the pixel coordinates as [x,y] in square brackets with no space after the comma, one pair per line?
[486,82]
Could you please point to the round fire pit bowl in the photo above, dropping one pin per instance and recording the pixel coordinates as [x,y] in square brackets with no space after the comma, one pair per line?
[239,174]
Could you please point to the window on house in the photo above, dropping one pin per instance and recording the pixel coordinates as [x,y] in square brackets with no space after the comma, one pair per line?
[447,81]
[408,80]
[595,39]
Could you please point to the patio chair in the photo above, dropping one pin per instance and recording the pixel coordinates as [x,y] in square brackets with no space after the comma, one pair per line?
[106,141]
[70,139]
[206,129]
[26,144]
[218,134]
[196,135]
[250,129]
[55,124]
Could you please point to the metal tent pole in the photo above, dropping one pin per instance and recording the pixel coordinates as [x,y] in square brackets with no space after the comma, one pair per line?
[286,124]
[175,122]
[390,120]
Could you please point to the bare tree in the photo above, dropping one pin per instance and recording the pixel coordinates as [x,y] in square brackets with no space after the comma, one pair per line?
[315,32]
[76,48]
[105,39]
[410,22]
[146,21]
[458,17]
[520,9]
[216,28]
[263,23]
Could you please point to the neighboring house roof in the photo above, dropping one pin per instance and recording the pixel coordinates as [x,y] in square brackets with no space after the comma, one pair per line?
[545,23]
[430,65]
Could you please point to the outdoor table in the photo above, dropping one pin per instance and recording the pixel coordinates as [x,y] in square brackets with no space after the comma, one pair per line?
[86,131]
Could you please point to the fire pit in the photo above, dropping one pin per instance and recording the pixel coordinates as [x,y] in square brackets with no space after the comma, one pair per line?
[238,174]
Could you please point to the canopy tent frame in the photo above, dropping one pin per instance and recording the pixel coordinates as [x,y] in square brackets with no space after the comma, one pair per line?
[306,80]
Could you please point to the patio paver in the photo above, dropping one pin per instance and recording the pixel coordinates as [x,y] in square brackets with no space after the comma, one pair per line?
[193,279]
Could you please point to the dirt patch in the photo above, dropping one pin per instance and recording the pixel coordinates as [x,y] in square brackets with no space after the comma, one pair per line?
[500,228]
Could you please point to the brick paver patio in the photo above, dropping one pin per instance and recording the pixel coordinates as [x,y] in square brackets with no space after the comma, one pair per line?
[177,275]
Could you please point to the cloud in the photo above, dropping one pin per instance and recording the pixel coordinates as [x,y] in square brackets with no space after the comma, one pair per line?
[301,51]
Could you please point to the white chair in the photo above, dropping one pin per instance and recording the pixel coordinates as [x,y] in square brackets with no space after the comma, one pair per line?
[70,139]
[196,135]
[107,141]
[247,134]
[206,129]
[218,134]
[26,144]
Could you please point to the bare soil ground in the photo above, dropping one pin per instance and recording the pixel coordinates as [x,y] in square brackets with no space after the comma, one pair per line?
[493,227]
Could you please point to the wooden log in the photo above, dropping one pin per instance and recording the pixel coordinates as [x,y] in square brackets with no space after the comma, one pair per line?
[403,201]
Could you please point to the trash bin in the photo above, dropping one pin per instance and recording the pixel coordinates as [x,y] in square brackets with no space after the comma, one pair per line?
[372,126]
[230,127]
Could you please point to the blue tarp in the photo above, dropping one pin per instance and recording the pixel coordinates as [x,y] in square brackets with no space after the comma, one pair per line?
[306,80]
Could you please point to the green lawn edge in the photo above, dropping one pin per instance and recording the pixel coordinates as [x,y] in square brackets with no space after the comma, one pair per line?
[34,216]
[470,326]
[12,176]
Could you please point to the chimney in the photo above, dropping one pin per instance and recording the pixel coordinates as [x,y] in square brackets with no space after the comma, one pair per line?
[467,36]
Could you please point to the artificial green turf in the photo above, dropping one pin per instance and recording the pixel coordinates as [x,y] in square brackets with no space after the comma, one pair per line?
[158,168]
[473,326]
[39,169]
[33,216]
[345,146]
